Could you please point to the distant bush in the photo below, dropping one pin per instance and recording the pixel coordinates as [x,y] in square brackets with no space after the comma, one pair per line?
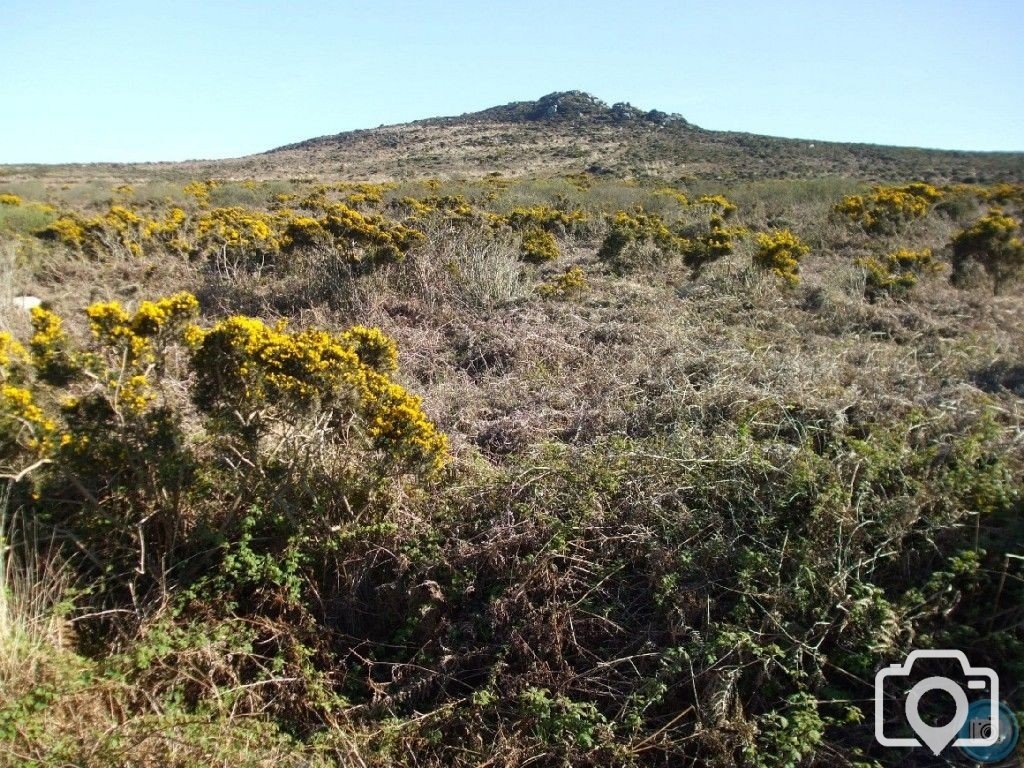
[780,253]
[636,239]
[993,241]
[547,218]
[8,199]
[886,209]
[896,273]
[708,241]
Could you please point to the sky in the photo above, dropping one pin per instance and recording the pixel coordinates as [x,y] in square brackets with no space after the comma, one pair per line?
[96,80]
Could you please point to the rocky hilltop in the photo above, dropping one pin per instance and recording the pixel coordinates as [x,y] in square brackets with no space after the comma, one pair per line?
[568,132]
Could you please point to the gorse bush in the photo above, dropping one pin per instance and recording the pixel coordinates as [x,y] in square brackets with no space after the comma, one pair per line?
[237,238]
[637,238]
[538,245]
[545,217]
[252,376]
[994,242]
[101,422]
[896,273]
[886,209]
[699,555]
[571,283]
[780,253]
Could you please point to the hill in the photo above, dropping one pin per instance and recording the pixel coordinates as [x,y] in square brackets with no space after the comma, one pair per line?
[564,133]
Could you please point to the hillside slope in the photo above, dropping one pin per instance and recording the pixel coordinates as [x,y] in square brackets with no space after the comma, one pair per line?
[564,133]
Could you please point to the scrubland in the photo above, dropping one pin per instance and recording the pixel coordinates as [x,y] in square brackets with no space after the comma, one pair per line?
[550,471]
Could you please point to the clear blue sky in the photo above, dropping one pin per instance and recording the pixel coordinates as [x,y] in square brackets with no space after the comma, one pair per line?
[87,80]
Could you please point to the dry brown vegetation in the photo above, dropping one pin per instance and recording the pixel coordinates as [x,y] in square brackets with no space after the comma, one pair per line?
[685,512]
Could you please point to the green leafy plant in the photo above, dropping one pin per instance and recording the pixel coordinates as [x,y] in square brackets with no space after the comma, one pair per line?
[992,241]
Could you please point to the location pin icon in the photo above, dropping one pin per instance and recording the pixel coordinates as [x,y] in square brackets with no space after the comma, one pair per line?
[936,738]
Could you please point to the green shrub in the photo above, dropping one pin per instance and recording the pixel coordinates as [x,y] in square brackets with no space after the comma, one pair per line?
[570,283]
[780,253]
[993,242]
[896,273]
[538,246]
[636,239]
[887,209]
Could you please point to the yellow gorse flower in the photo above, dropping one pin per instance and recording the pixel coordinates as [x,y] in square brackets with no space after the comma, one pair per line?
[886,208]
[780,252]
[244,366]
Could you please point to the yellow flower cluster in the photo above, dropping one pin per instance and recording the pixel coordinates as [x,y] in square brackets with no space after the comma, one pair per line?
[396,422]
[242,365]
[639,225]
[303,232]
[366,194]
[452,208]
[133,334]
[239,228]
[545,217]
[993,241]
[11,353]
[709,242]
[134,394]
[780,252]
[200,191]
[886,208]
[119,225]
[49,345]
[717,203]
[418,209]
[352,229]
[68,229]
[9,199]
[22,418]
[897,272]
[171,224]
[538,245]
[572,282]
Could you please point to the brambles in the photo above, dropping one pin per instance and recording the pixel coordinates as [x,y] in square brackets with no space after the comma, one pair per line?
[886,209]
[681,523]
[993,242]
[896,273]
[780,252]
